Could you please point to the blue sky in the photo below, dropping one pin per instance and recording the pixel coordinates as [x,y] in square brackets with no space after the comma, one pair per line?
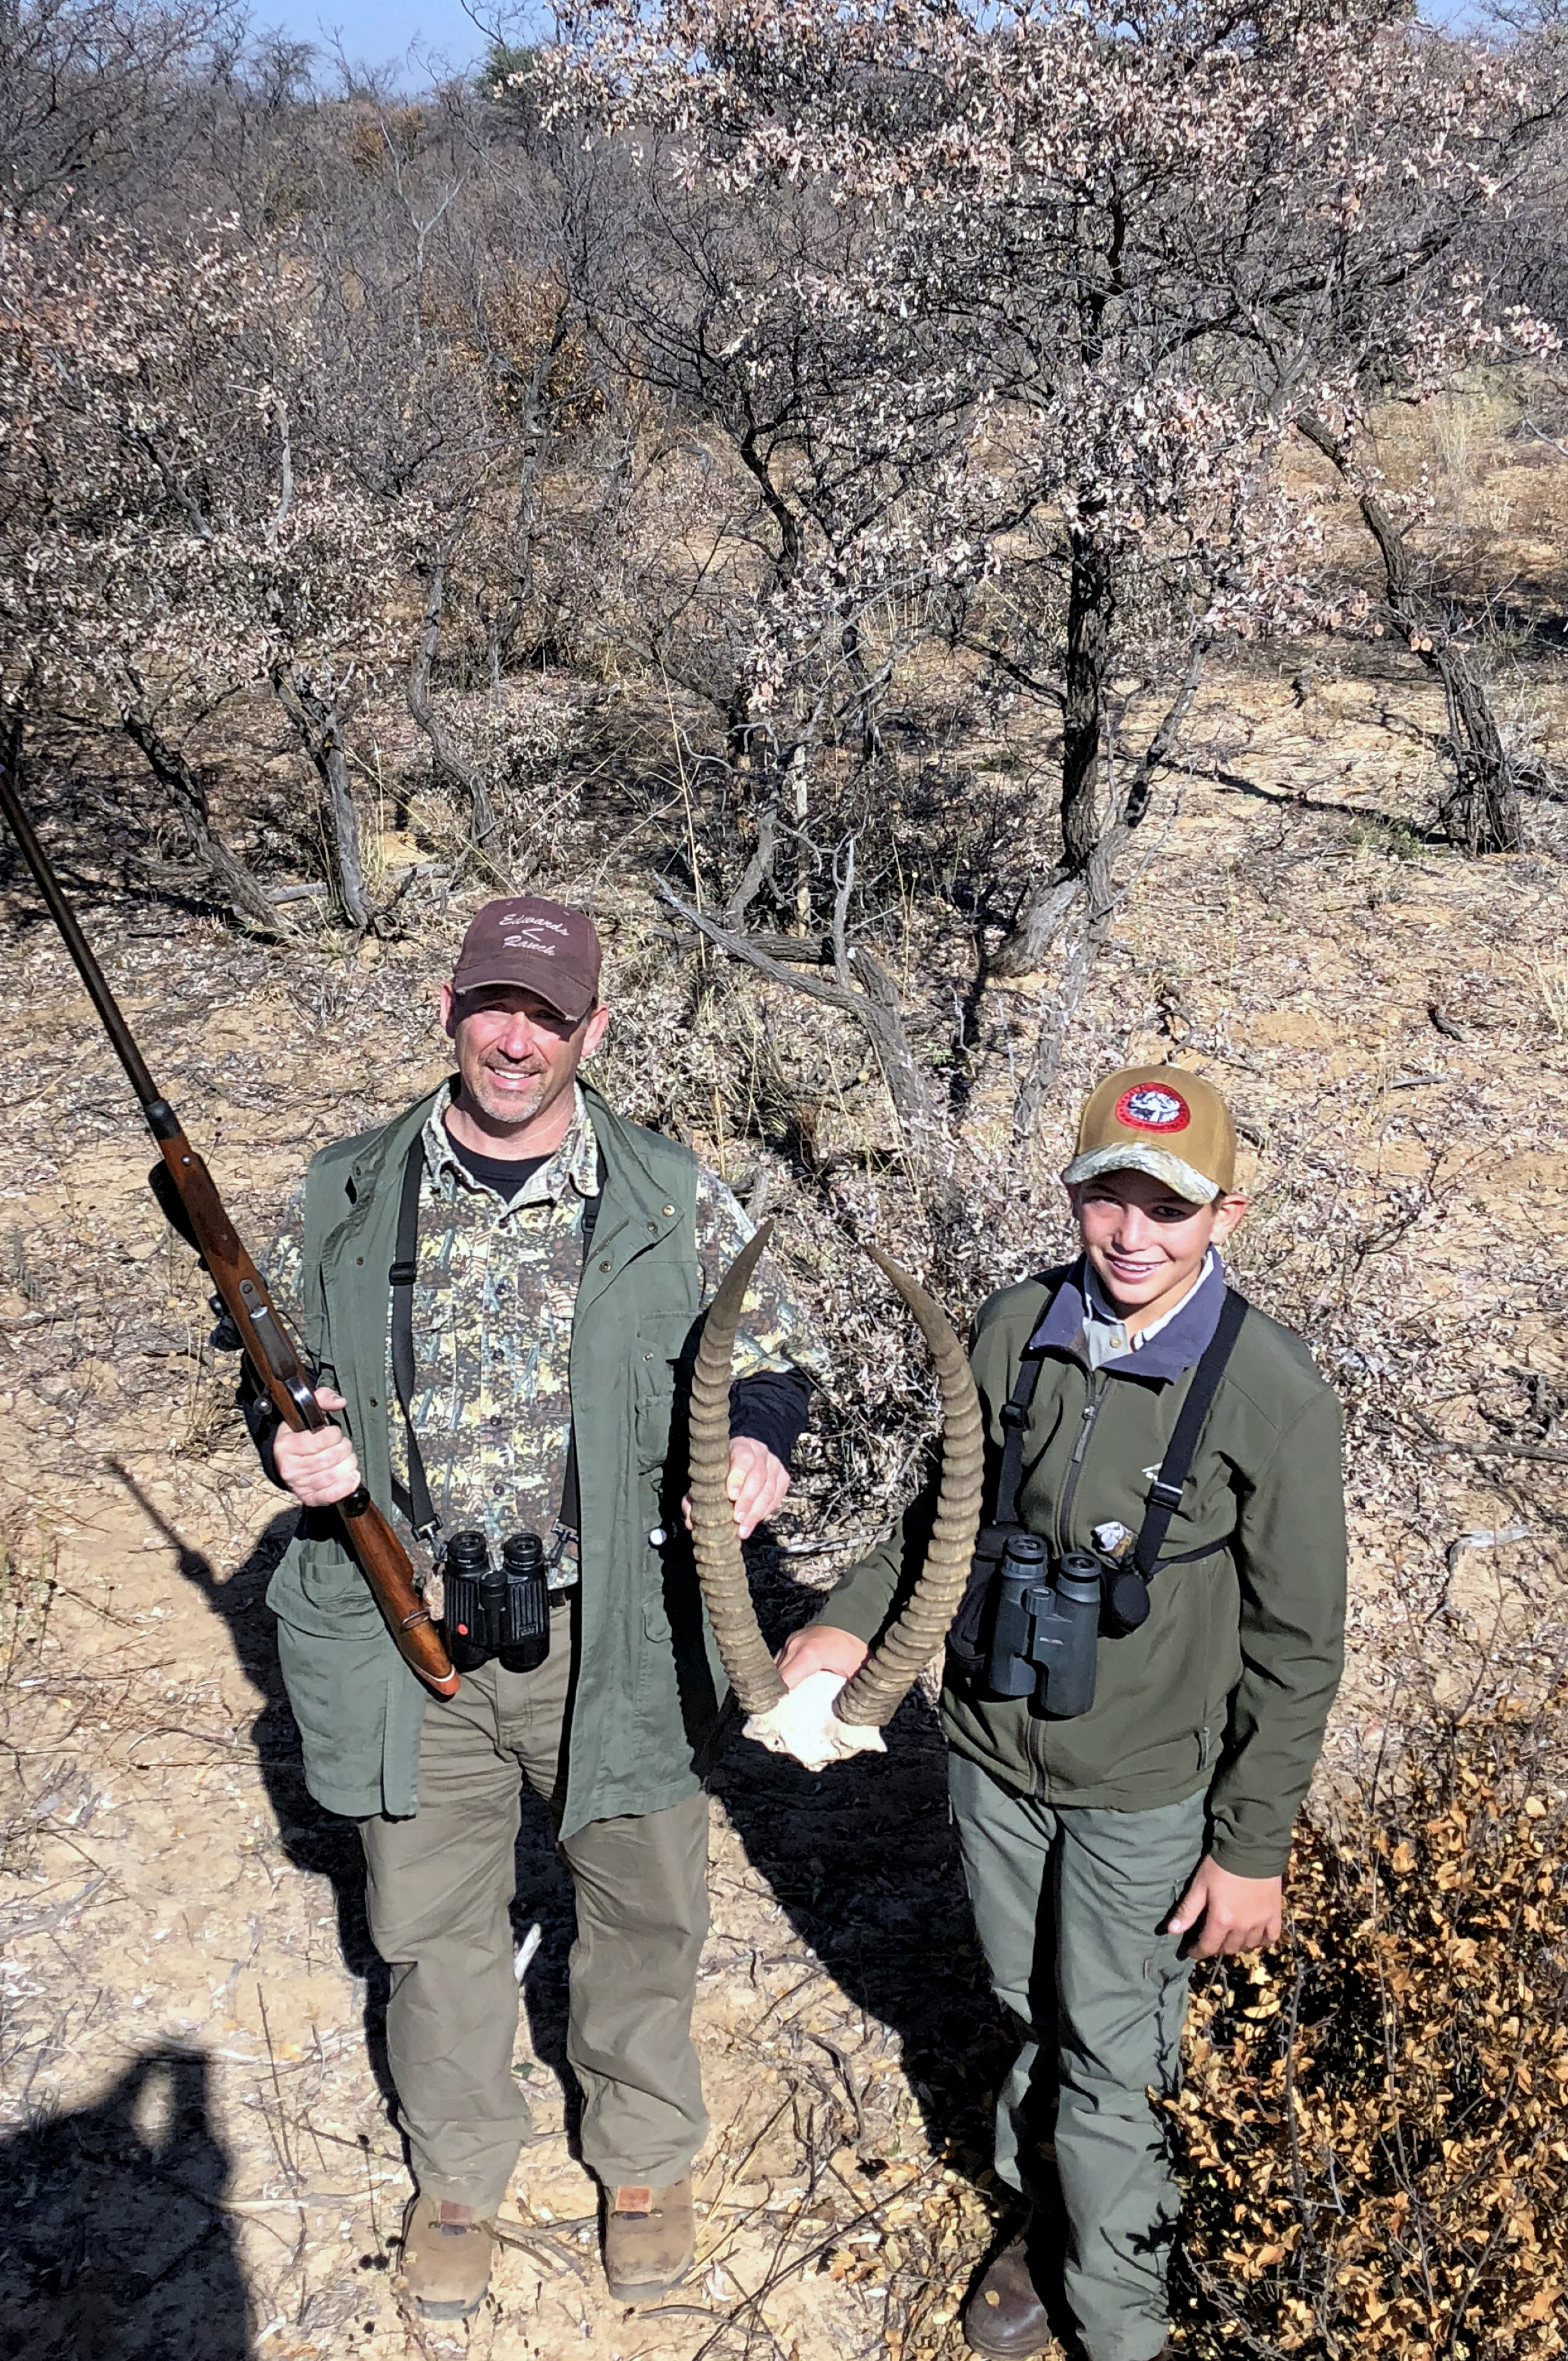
[384,32]
[399,32]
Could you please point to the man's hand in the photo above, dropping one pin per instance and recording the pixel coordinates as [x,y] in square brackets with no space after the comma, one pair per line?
[757,1485]
[1228,1914]
[821,1648]
[318,1468]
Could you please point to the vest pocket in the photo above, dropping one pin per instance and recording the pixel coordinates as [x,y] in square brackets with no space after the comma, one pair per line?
[660,1339]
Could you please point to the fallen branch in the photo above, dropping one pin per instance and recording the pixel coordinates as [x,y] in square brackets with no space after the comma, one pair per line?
[1439,1444]
[1498,1451]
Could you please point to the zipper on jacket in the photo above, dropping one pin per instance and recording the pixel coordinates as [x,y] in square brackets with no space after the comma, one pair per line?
[1091,1409]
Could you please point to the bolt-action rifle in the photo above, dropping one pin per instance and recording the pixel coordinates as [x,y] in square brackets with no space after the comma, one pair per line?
[184,1188]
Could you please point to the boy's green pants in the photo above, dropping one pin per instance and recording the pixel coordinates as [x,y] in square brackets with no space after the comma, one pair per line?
[1069,1903]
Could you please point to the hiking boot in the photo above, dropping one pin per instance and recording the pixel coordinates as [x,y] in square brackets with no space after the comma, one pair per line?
[1004,2318]
[446,2258]
[649,2240]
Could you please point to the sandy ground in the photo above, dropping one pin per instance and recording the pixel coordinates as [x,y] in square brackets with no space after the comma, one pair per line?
[197,2154]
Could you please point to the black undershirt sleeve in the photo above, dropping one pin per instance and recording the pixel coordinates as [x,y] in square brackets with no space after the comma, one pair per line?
[771,1409]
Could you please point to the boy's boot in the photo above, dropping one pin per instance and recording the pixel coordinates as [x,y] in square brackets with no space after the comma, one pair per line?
[446,2258]
[649,2240]
[1004,2318]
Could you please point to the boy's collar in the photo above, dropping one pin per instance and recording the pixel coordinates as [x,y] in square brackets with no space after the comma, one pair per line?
[1170,1349]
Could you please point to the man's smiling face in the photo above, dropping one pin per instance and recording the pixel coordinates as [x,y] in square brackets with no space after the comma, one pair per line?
[518,1057]
[1146,1242]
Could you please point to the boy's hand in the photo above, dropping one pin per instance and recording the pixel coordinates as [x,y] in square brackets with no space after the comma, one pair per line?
[1228,1914]
[821,1648]
[757,1485]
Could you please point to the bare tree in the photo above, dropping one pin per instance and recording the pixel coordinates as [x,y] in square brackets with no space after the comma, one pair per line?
[1112,251]
[1479,809]
[174,526]
[101,99]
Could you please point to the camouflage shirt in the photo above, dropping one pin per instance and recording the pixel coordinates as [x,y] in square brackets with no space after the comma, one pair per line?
[493,1305]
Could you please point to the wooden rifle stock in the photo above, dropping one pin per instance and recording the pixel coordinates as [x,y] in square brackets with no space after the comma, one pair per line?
[185,1191]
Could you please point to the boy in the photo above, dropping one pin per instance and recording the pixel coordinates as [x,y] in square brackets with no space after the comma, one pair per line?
[1105,1849]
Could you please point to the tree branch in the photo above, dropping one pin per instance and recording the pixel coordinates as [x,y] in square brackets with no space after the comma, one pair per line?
[875,1010]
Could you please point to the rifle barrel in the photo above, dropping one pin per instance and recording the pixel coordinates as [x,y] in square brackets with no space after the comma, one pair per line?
[269,1347]
[154,1107]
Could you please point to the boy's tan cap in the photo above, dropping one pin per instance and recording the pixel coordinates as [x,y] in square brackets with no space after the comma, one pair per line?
[1163,1121]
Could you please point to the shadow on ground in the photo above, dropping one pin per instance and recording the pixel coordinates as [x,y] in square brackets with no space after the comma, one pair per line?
[113,2245]
[313,1839]
[864,1862]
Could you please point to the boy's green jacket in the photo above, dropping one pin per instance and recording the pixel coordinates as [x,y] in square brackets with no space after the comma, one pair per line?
[650,1687]
[1228,1683]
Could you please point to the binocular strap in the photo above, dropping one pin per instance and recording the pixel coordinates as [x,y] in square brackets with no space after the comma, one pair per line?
[1165,1493]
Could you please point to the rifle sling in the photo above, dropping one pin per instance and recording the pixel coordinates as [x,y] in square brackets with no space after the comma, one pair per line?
[413,1500]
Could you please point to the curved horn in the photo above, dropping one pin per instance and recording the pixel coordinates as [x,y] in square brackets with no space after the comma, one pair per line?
[880,1687]
[720,1568]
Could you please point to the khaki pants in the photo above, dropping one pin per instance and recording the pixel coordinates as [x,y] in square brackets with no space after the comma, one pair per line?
[1070,1904]
[438,1887]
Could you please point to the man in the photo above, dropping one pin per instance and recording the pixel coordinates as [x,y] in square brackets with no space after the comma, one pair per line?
[500,1287]
[1104,1849]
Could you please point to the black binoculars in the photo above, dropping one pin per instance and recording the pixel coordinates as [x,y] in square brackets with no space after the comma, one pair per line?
[1045,1628]
[496,1611]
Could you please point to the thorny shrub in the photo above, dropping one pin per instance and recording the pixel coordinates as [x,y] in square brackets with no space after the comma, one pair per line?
[1376,2120]
[518,742]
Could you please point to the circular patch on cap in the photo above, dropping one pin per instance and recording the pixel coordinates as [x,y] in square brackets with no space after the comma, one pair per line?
[1153,1107]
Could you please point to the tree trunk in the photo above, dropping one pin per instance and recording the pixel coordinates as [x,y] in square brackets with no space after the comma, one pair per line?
[1480,810]
[446,764]
[758,871]
[235,885]
[1091,608]
[317,723]
[800,803]
[792,539]
[738,725]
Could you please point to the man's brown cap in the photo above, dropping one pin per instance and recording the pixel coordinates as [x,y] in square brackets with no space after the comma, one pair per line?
[1163,1121]
[536,945]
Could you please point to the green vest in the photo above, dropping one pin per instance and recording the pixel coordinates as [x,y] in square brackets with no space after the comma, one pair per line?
[650,1689]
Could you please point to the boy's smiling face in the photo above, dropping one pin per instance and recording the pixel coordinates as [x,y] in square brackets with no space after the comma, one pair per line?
[1146,1242]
